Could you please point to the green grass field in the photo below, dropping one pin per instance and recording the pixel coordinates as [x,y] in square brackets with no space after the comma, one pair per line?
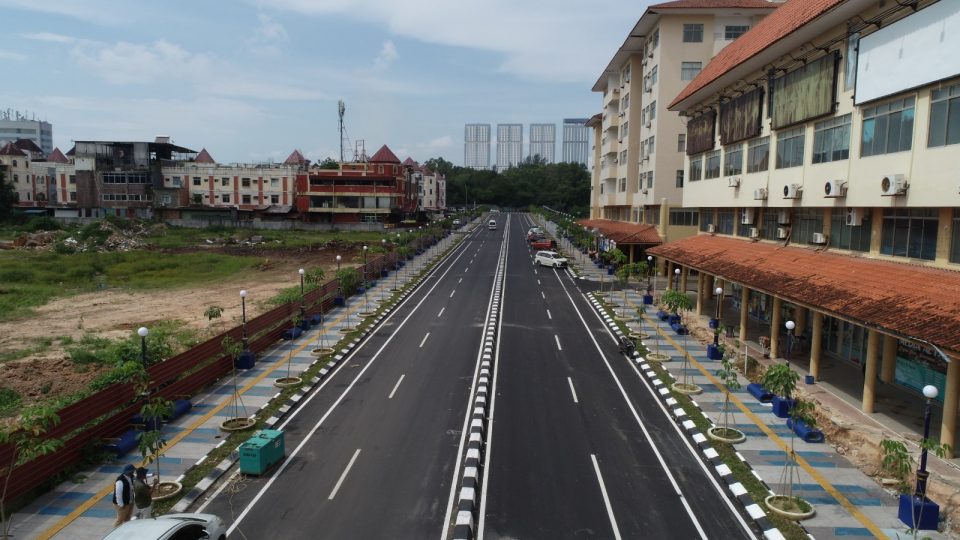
[178,237]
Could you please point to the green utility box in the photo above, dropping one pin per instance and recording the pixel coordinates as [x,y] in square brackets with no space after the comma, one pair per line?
[261,451]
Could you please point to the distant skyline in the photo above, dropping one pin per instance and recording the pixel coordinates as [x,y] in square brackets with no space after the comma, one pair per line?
[252,80]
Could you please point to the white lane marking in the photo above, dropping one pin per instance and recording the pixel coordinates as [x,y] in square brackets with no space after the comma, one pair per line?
[424,339]
[538,282]
[572,391]
[606,498]
[441,312]
[548,315]
[452,293]
[460,281]
[556,337]
[543,295]
[394,391]
[343,476]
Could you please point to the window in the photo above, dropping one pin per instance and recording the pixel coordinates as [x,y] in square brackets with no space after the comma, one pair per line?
[225,181]
[679,178]
[684,217]
[653,110]
[245,182]
[682,142]
[225,198]
[274,199]
[831,139]
[733,160]
[246,199]
[177,181]
[944,116]
[73,179]
[653,76]
[624,129]
[909,232]
[622,185]
[274,182]
[656,38]
[850,65]
[706,219]
[805,222]
[955,238]
[196,180]
[790,148]
[758,155]
[712,170]
[843,236]
[650,179]
[696,168]
[73,196]
[690,70]
[650,144]
[16,179]
[693,33]
[725,221]
[731,32]
[887,128]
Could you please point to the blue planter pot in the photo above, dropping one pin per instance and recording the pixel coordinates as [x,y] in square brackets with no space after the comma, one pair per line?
[648,299]
[246,360]
[809,379]
[673,319]
[714,352]
[609,270]
[338,301]
[762,394]
[679,328]
[782,406]
[315,318]
[384,273]
[805,432]
[925,513]
[180,408]
[714,323]
[292,333]
[663,315]
[125,443]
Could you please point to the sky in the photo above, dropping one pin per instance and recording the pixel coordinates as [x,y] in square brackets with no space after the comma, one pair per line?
[251,80]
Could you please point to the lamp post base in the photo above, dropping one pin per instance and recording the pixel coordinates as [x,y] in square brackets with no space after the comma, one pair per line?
[920,514]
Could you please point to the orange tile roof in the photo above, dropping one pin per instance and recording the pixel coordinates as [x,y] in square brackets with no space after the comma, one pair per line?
[57,157]
[384,155]
[624,232]
[204,157]
[295,158]
[784,20]
[902,298]
[713,4]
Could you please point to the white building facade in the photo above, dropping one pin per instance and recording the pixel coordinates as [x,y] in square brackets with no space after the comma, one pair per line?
[476,146]
[543,141]
[576,141]
[509,145]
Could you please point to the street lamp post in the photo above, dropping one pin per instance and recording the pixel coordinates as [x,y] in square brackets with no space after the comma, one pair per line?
[716,333]
[365,278]
[930,392]
[243,315]
[396,275]
[790,326]
[142,332]
[676,272]
[303,309]
[383,242]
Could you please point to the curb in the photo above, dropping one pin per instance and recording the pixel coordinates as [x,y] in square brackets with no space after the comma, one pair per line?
[213,476]
[709,454]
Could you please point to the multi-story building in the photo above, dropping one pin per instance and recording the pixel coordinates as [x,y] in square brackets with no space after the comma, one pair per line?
[509,145]
[379,190]
[476,146]
[822,148]
[15,125]
[576,140]
[543,141]
[38,181]
[432,187]
[639,173]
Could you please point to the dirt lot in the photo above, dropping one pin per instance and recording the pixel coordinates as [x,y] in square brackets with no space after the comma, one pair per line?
[114,313]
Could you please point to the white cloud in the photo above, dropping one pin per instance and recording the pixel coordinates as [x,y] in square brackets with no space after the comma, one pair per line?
[388,53]
[440,143]
[539,39]
[48,37]
[96,11]
[268,37]
[135,63]
[12,56]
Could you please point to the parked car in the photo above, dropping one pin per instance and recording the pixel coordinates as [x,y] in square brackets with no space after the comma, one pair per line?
[172,526]
[456,222]
[543,243]
[550,258]
[534,230]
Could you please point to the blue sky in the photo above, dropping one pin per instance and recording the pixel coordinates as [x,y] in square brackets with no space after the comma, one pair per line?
[252,80]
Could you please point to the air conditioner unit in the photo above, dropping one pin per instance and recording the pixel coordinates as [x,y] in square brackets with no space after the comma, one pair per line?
[650,53]
[733,181]
[648,89]
[792,191]
[819,238]
[760,194]
[644,191]
[647,124]
[621,114]
[853,218]
[754,232]
[746,216]
[894,184]
[783,217]
[711,228]
[782,232]
[835,188]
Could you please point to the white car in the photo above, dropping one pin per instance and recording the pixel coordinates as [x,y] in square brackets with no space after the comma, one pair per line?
[456,222]
[550,258]
[170,527]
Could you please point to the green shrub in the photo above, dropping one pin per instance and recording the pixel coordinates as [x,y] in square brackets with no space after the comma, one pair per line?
[63,248]
[43,223]
[9,401]
[17,275]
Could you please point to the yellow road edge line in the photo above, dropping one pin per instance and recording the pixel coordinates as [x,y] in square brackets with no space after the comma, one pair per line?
[827,486]
[77,512]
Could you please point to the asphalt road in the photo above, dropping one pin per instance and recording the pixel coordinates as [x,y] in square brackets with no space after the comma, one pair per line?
[577,445]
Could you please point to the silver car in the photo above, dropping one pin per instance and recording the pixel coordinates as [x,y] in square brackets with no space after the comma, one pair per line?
[550,258]
[172,526]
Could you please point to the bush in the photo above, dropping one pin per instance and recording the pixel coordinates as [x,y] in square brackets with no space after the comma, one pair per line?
[9,401]
[63,248]
[43,223]
[17,275]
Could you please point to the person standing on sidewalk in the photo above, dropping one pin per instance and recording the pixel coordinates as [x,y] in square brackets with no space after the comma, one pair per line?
[141,493]
[123,495]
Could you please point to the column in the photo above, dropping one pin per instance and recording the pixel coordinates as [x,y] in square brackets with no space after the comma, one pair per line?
[950,401]
[870,375]
[744,310]
[700,287]
[800,318]
[816,342]
[683,278]
[719,299]
[775,324]
[669,274]
[888,366]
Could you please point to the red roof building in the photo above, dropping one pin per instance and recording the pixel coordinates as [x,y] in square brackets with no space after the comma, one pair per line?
[57,157]
[204,157]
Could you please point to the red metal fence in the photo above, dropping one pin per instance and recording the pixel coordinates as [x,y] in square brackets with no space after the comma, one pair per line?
[107,413]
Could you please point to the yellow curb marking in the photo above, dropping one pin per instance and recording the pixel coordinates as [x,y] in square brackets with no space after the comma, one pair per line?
[827,486]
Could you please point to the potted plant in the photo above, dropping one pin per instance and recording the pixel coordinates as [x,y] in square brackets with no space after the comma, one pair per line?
[151,442]
[240,420]
[615,258]
[781,381]
[715,349]
[722,431]
[787,504]
[686,385]
[288,380]
[916,510]
[676,302]
[28,441]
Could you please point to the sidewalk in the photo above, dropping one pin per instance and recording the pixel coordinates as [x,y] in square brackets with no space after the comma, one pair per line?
[81,509]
